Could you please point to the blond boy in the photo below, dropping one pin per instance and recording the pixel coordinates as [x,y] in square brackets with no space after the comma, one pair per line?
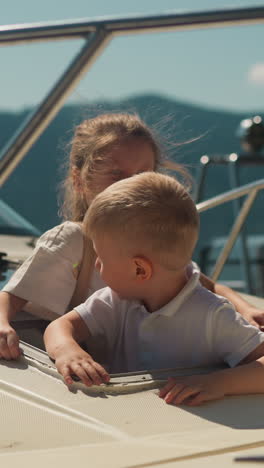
[154,312]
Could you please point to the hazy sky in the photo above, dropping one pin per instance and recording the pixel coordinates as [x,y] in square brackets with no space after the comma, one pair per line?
[221,68]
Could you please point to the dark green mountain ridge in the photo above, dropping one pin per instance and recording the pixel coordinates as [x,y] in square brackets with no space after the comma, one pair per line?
[187,132]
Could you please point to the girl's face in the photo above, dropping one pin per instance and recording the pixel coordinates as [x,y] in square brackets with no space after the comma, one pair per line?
[122,162]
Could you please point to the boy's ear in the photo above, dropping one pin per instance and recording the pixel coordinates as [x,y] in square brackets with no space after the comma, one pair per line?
[143,268]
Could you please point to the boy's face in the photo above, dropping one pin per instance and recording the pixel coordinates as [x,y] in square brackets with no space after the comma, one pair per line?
[115,267]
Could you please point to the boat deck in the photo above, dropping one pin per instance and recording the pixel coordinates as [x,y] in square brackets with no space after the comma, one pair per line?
[124,424]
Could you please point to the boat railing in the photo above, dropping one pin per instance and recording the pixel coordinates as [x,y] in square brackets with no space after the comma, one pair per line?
[249,191]
[96,34]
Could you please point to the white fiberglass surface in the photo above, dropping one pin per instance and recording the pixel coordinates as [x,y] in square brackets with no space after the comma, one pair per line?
[39,412]
[29,421]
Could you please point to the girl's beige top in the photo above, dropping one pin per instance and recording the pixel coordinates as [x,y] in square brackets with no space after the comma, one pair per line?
[58,275]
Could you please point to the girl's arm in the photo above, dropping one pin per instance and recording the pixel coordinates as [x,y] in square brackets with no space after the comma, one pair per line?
[46,279]
[10,305]
[61,339]
[251,313]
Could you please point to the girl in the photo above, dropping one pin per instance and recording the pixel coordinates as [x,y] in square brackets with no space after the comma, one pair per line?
[60,273]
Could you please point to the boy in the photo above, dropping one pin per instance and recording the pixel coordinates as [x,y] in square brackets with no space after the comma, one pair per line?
[154,312]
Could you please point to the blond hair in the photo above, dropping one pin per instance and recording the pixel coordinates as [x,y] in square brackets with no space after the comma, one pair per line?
[93,140]
[151,213]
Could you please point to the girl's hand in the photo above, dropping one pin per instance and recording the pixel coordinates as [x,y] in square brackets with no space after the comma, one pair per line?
[9,342]
[192,390]
[78,362]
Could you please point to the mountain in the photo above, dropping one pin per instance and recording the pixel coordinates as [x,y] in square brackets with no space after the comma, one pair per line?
[187,132]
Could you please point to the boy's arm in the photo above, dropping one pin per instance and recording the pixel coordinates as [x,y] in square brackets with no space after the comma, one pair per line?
[247,378]
[61,339]
[9,341]
[251,313]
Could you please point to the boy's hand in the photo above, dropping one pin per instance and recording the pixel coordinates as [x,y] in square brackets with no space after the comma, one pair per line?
[78,362]
[192,390]
[9,342]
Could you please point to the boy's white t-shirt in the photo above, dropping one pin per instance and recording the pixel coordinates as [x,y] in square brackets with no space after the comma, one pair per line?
[47,279]
[196,328]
